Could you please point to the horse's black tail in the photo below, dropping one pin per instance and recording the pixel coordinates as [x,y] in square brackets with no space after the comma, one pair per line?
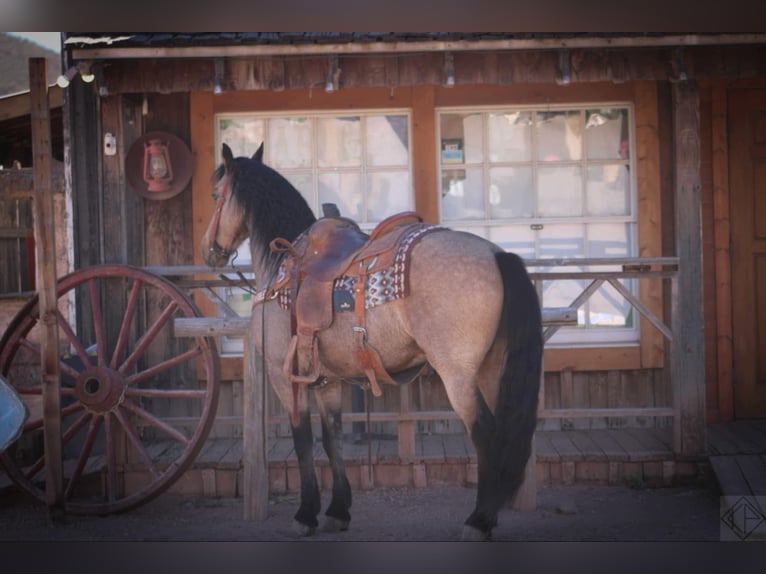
[503,439]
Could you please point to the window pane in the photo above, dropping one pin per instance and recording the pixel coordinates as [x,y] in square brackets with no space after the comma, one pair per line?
[387,193]
[510,136]
[559,136]
[464,128]
[609,309]
[608,190]
[242,135]
[511,192]
[558,241]
[344,190]
[290,142]
[339,142]
[303,183]
[387,140]
[462,194]
[560,191]
[606,133]
[609,240]
[518,239]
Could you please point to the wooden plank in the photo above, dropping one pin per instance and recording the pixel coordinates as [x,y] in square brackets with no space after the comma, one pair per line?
[729,475]
[611,447]
[720,442]
[567,396]
[563,444]
[751,433]
[282,449]
[45,249]
[616,412]
[544,449]
[598,398]
[633,446]
[744,445]
[589,448]
[19,183]
[210,326]
[213,452]
[431,447]
[649,207]
[454,448]
[754,470]
[722,238]
[652,444]
[687,360]
[255,439]
[233,457]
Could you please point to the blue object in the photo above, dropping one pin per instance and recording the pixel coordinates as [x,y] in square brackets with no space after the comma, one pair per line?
[13,413]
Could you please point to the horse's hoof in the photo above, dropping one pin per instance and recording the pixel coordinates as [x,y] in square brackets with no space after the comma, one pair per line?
[332,524]
[471,534]
[303,530]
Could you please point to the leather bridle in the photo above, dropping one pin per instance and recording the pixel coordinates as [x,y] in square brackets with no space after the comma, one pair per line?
[215,247]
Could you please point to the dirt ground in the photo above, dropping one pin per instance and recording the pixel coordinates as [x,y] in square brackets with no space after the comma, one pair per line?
[564,513]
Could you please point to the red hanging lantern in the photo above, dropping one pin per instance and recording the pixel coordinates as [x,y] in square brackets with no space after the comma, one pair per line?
[158,170]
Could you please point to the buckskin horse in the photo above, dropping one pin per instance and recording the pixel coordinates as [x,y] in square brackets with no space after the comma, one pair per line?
[334,304]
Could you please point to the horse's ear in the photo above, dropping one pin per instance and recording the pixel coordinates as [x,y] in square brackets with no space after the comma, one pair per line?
[258,155]
[228,157]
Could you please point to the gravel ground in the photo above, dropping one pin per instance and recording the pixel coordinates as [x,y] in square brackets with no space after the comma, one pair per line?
[564,513]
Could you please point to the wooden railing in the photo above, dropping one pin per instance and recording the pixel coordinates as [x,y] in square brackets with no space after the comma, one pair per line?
[554,318]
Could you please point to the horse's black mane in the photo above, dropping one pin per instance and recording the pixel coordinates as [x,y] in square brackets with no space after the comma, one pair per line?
[273,207]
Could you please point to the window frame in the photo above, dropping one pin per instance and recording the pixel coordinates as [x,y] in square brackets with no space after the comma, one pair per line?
[565,337]
[231,346]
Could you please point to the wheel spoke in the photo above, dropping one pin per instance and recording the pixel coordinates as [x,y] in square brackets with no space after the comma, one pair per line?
[73,340]
[155,421]
[148,337]
[130,311]
[74,427]
[66,411]
[136,441]
[95,307]
[87,447]
[163,366]
[33,470]
[167,393]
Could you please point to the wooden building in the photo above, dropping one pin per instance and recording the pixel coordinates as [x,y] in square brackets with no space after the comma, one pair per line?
[556,146]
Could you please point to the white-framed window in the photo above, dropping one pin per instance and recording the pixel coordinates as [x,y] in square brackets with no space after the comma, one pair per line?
[549,182]
[359,160]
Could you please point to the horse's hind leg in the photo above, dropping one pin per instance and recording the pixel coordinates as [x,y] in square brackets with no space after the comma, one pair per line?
[329,404]
[305,520]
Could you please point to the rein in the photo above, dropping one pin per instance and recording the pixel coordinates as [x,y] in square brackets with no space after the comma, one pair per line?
[215,247]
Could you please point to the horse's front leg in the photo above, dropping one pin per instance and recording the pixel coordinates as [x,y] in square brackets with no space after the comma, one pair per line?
[328,400]
[305,521]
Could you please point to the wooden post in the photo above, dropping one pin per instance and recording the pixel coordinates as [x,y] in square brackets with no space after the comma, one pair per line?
[45,251]
[254,436]
[687,360]
[406,428]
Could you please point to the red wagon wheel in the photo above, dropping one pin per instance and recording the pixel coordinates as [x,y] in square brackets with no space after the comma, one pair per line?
[136,403]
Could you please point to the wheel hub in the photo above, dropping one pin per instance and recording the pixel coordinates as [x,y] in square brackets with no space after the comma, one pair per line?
[100,389]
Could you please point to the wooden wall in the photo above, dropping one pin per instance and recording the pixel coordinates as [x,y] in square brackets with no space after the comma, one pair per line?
[181,101]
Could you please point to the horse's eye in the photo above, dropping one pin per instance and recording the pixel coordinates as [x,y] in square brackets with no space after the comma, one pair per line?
[215,196]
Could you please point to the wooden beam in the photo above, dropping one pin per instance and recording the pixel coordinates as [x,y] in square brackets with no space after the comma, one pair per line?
[20,183]
[45,247]
[722,240]
[255,438]
[687,360]
[239,51]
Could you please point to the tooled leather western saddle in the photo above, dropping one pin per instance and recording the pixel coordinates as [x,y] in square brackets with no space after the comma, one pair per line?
[335,247]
